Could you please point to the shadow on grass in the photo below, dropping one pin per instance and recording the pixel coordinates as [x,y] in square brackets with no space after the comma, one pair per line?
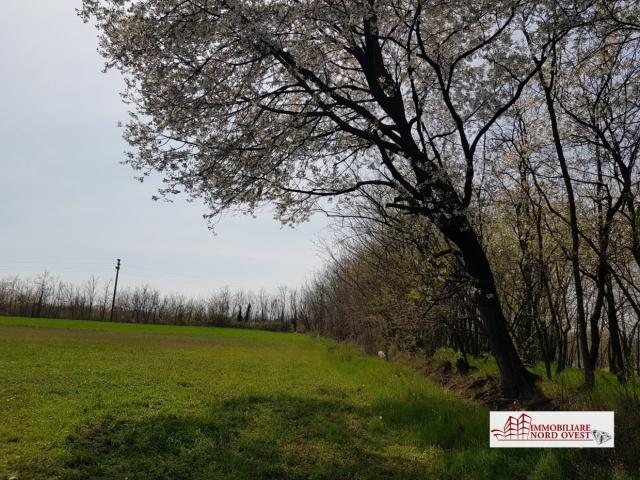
[293,438]
[251,437]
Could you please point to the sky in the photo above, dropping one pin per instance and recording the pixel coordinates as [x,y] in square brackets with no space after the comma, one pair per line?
[68,206]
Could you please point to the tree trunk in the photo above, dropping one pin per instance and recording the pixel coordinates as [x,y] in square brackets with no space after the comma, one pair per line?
[517,381]
[617,364]
[589,375]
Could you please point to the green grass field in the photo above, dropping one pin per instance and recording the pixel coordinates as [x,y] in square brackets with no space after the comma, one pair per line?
[92,400]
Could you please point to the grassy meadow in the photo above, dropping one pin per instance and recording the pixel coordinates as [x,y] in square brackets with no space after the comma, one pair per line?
[93,400]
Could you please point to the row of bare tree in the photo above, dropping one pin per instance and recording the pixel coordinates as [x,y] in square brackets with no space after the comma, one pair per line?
[393,282]
[46,296]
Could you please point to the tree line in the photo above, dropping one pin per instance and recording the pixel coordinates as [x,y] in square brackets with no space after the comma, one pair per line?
[47,296]
[394,284]
[554,211]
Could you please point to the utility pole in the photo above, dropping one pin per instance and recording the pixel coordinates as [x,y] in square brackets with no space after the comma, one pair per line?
[115,288]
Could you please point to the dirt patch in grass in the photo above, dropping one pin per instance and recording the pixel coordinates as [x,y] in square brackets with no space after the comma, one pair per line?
[468,382]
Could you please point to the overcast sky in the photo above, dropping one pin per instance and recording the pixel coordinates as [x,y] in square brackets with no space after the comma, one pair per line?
[68,206]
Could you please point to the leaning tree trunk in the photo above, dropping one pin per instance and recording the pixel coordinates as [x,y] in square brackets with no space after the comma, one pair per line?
[517,381]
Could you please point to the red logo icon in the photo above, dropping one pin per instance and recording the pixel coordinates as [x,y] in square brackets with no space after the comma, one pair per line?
[514,428]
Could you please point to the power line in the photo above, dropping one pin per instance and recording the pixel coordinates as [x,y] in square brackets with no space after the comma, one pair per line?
[48,262]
